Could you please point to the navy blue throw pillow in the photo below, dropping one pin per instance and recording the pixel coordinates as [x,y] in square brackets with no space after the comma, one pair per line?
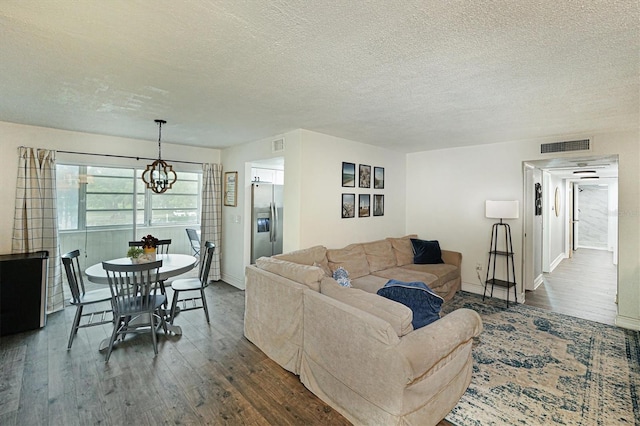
[426,251]
[424,302]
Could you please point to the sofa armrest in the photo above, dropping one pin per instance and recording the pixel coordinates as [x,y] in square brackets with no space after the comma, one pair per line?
[452,257]
[425,347]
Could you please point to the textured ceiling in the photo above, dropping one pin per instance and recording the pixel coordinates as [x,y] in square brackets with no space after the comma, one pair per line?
[410,75]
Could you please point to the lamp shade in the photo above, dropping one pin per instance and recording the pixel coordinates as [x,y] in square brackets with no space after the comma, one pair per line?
[501,209]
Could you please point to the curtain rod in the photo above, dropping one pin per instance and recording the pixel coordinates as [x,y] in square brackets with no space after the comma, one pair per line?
[125,156]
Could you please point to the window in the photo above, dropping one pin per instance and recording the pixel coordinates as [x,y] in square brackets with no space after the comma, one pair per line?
[99,197]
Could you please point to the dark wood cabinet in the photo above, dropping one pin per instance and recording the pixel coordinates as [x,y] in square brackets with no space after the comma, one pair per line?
[23,291]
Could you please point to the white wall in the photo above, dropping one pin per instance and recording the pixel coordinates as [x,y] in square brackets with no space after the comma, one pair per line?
[446,190]
[320,219]
[555,223]
[16,135]
[312,195]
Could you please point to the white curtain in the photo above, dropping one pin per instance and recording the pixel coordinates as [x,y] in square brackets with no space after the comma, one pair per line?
[35,222]
[211,220]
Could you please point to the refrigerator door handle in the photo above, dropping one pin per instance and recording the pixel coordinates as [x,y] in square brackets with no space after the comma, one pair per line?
[274,221]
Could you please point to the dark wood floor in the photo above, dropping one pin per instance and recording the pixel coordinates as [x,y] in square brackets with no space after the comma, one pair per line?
[584,286]
[211,374]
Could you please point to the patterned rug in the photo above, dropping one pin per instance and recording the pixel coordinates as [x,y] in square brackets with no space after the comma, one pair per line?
[535,367]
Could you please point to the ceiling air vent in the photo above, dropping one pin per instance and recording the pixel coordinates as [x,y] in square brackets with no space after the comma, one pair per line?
[277,145]
[581,145]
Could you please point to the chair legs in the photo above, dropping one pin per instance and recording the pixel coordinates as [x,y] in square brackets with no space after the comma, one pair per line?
[204,304]
[174,303]
[76,323]
[121,327]
[114,334]
[176,299]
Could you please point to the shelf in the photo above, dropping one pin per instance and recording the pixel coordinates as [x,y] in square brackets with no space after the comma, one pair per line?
[501,283]
[502,253]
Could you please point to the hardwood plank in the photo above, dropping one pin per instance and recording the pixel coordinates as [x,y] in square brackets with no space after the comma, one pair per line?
[584,286]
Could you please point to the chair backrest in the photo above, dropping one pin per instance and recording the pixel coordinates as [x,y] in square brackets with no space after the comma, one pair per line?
[194,239]
[162,247]
[133,286]
[74,274]
[205,266]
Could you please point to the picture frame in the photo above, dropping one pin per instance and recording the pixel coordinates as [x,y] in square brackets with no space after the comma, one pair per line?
[378,177]
[364,205]
[364,176]
[378,205]
[348,206]
[348,175]
[231,189]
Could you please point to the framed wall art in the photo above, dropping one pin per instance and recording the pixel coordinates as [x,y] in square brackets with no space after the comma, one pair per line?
[348,175]
[348,205]
[364,204]
[378,177]
[378,205]
[230,189]
[364,174]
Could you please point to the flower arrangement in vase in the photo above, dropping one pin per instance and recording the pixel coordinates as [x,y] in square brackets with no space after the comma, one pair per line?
[149,247]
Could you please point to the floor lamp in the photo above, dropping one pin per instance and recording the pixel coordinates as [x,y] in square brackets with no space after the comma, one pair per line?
[501,210]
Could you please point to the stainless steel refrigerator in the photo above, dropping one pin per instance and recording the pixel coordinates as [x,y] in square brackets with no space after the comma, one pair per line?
[266,219]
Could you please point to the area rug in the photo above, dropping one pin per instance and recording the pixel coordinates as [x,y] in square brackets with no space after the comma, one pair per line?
[536,367]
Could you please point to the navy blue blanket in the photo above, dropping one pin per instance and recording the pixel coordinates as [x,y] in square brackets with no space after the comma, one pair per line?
[424,303]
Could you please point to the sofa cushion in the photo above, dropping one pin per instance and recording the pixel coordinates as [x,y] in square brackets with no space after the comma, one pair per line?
[443,271]
[380,255]
[397,315]
[403,249]
[426,251]
[424,303]
[352,258]
[303,274]
[369,283]
[408,275]
[305,256]
[324,266]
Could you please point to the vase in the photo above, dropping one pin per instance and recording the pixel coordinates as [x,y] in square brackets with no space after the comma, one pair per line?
[149,253]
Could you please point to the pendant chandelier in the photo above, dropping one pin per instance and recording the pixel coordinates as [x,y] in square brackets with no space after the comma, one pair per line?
[159,176]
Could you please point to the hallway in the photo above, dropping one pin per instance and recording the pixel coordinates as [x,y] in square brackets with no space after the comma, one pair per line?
[584,286]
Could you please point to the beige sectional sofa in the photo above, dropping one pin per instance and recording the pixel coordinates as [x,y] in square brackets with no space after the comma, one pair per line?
[355,350]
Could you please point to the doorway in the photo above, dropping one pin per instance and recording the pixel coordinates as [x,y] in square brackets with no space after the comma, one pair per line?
[570,243]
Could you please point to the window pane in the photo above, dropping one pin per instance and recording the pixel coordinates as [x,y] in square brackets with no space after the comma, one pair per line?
[109,201]
[109,171]
[68,187]
[111,184]
[109,218]
[178,205]
[171,216]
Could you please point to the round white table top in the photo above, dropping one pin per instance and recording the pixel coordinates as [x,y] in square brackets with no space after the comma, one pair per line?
[172,265]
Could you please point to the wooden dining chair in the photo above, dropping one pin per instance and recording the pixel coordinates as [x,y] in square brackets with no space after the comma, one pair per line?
[194,240]
[136,304]
[81,298]
[192,285]
[162,247]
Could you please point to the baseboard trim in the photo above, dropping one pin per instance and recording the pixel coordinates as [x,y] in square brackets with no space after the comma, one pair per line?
[498,292]
[627,322]
[234,281]
[557,261]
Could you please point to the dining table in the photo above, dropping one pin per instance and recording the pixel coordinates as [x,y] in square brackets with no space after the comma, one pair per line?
[172,265]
